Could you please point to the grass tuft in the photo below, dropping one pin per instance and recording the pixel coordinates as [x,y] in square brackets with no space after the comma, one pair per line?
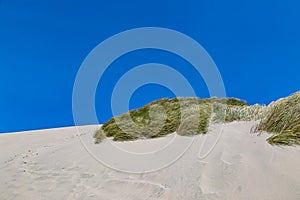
[283,119]
[99,136]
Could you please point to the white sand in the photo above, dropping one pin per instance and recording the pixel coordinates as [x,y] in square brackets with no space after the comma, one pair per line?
[53,164]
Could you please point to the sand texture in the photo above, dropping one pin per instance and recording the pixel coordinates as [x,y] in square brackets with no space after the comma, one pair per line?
[65,164]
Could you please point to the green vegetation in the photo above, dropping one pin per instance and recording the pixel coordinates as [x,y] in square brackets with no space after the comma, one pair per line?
[283,119]
[190,116]
[286,138]
[100,136]
[186,116]
[235,102]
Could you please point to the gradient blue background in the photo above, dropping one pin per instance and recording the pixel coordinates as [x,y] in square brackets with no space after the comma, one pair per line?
[255,45]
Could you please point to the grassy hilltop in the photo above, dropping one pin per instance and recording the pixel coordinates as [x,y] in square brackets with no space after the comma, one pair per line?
[190,116]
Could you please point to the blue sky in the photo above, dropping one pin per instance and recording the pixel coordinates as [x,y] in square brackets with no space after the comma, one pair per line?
[255,45]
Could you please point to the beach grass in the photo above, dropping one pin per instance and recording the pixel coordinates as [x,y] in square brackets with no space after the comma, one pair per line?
[185,116]
[283,119]
[191,116]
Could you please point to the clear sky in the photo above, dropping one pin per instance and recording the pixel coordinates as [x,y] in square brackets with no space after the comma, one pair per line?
[255,45]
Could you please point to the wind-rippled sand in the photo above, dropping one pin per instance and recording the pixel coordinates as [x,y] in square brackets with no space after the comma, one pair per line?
[53,164]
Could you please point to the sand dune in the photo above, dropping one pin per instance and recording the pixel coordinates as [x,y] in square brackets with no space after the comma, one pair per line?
[54,164]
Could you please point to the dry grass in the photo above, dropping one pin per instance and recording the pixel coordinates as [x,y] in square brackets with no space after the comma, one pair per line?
[229,113]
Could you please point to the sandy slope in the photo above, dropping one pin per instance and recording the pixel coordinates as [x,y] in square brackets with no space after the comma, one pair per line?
[53,164]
